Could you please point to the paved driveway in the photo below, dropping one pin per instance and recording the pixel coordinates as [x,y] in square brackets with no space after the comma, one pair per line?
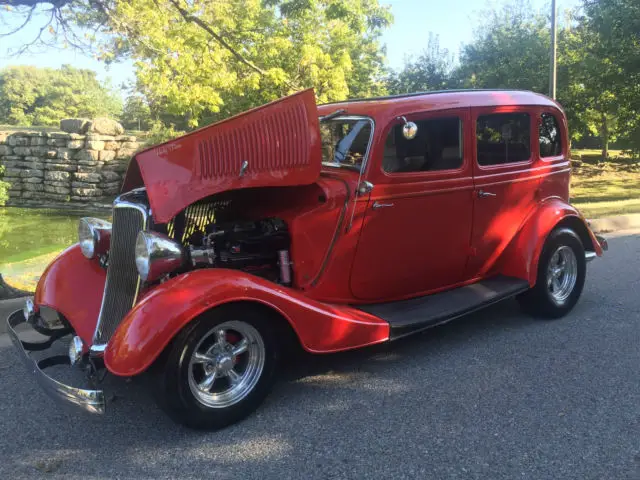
[495,395]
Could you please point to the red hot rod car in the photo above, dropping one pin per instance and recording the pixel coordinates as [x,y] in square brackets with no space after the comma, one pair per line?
[335,226]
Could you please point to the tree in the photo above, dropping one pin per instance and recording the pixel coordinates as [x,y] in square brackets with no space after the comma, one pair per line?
[510,49]
[431,70]
[136,114]
[43,96]
[615,25]
[206,60]
[203,60]
[591,88]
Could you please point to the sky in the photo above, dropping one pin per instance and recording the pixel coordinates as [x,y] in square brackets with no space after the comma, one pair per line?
[452,20]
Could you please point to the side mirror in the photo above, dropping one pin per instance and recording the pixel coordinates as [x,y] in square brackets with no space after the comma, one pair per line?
[365,187]
[409,129]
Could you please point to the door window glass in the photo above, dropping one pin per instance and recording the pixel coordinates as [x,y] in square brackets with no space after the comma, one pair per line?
[550,142]
[503,138]
[345,142]
[436,146]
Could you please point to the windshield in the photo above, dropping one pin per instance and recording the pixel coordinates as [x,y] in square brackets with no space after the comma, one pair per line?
[345,142]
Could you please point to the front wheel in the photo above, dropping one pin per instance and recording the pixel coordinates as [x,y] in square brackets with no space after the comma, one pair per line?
[561,275]
[219,369]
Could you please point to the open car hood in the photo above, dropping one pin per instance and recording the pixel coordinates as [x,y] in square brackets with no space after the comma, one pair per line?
[277,144]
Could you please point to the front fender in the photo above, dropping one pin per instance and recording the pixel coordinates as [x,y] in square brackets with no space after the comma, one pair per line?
[521,258]
[164,311]
[73,286]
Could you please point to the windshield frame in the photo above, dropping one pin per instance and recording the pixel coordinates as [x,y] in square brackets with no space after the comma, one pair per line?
[365,159]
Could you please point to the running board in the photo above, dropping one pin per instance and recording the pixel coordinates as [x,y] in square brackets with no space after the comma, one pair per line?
[411,316]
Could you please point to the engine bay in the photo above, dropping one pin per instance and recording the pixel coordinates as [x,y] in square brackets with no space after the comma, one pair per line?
[260,247]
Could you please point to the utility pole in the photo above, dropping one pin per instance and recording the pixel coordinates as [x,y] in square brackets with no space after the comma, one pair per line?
[552,65]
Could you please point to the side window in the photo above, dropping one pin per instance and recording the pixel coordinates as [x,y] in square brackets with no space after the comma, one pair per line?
[503,138]
[550,138]
[436,146]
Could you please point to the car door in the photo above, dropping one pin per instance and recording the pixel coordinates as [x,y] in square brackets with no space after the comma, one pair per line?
[417,226]
[505,182]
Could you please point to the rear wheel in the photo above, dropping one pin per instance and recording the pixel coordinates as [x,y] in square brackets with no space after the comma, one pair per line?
[220,368]
[561,276]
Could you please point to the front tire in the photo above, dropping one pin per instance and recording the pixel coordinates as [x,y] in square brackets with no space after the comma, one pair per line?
[560,279]
[219,369]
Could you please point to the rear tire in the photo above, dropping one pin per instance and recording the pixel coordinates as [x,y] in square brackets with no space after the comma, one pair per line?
[560,278]
[219,368]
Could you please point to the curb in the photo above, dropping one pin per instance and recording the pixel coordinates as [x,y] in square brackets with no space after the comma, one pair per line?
[618,222]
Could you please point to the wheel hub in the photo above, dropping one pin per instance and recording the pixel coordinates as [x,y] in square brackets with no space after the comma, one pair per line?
[225,363]
[562,273]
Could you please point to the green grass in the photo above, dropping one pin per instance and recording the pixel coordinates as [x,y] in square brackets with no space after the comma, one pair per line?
[606,190]
[595,152]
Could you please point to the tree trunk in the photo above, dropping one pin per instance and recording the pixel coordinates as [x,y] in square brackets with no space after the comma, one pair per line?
[605,138]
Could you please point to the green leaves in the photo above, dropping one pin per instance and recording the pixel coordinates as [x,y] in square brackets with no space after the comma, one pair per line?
[200,61]
[44,96]
[4,186]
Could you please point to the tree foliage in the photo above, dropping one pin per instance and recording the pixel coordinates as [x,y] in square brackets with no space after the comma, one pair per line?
[431,70]
[203,60]
[510,49]
[136,114]
[615,25]
[43,96]
[199,60]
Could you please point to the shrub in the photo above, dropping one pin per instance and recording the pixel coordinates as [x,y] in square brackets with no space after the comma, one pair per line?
[160,133]
[4,186]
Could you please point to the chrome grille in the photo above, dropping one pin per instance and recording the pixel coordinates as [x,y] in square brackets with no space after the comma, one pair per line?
[122,284]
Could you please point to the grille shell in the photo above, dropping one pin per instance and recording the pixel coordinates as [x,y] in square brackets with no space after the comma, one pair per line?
[123,282]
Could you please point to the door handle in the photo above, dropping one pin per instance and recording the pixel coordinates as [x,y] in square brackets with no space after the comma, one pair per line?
[377,205]
[483,194]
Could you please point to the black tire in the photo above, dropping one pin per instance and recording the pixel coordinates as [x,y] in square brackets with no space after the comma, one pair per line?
[540,301]
[175,392]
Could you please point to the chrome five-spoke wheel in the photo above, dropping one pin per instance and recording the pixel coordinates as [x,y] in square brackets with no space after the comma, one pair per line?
[562,273]
[220,367]
[226,364]
[560,276]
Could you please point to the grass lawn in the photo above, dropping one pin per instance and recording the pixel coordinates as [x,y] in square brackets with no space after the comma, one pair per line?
[610,189]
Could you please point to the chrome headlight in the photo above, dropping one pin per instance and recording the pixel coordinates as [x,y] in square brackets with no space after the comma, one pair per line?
[94,236]
[157,255]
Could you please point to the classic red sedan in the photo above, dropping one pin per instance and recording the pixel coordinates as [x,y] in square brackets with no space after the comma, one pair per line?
[336,227]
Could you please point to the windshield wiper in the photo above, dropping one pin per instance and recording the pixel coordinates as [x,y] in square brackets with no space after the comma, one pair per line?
[332,115]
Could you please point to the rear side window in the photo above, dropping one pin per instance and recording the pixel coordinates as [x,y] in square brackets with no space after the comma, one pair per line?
[436,146]
[550,138]
[503,138]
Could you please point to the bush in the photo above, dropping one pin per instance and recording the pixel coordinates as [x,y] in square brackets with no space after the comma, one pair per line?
[160,133]
[4,186]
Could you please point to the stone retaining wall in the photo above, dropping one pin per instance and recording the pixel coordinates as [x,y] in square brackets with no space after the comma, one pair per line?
[64,170]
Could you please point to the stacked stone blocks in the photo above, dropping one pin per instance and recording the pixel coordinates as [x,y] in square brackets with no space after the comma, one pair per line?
[60,169]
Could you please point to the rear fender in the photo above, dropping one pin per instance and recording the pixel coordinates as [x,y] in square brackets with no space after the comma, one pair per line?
[165,310]
[521,258]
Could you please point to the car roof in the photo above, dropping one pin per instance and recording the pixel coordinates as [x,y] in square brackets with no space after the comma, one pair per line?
[437,100]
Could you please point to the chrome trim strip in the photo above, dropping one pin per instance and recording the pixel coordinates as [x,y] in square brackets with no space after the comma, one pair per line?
[92,401]
[97,349]
[588,256]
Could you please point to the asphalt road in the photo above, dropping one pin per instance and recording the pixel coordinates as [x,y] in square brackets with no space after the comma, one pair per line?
[496,395]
